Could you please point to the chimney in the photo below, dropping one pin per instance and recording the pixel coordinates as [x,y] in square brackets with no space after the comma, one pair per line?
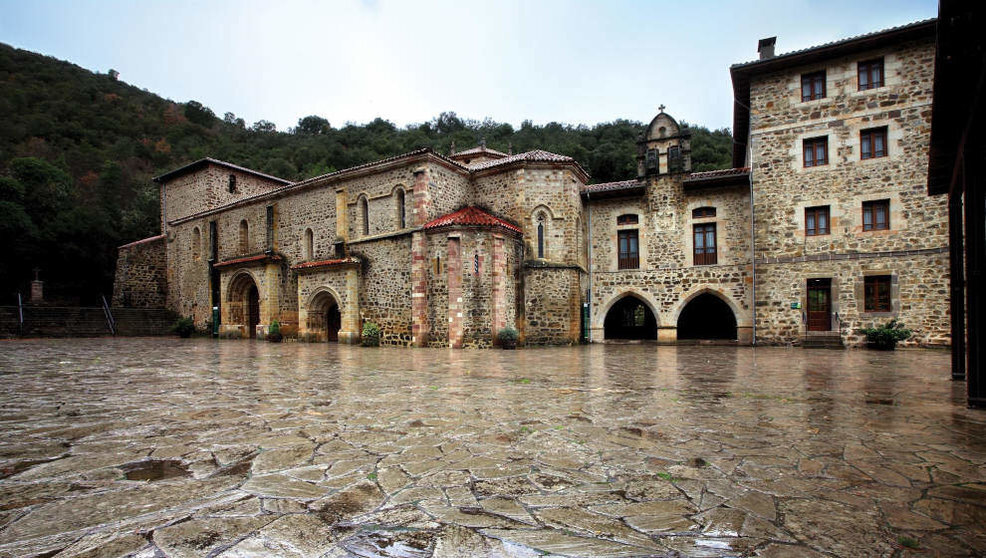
[766,47]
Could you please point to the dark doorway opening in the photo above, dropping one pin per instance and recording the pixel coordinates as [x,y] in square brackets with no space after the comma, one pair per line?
[819,304]
[707,317]
[630,318]
[324,317]
[333,321]
[253,311]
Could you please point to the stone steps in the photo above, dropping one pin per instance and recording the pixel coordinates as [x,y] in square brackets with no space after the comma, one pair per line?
[54,321]
[825,340]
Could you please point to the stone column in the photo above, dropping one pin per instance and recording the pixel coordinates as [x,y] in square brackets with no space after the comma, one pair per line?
[420,328]
[499,317]
[270,298]
[455,301]
[342,214]
[421,209]
[349,332]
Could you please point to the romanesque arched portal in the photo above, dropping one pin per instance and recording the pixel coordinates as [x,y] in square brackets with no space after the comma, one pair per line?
[630,318]
[324,316]
[707,317]
[244,303]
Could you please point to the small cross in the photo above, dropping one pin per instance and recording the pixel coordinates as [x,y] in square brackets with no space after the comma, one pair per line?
[660,108]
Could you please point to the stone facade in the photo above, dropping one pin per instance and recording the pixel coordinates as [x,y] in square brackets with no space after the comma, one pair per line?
[446,251]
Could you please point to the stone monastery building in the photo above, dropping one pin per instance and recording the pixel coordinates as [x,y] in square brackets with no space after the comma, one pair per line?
[822,227]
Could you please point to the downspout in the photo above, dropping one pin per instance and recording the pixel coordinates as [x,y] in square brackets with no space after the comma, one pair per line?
[753,240]
[588,238]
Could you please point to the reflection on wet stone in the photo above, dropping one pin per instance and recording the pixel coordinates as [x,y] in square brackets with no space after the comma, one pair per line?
[156,447]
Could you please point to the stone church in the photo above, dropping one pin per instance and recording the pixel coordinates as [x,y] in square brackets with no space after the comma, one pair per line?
[822,227]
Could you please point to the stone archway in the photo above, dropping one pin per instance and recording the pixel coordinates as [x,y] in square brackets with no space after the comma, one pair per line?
[243,304]
[706,316]
[324,316]
[630,318]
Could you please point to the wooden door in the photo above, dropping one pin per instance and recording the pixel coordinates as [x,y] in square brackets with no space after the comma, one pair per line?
[333,321]
[819,304]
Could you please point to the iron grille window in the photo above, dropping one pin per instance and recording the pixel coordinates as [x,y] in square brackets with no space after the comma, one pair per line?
[232,183]
[870,74]
[876,294]
[816,151]
[702,212]
[876,215]
[652,159]
[816,220]
[705,244]
[813,86]
[629,257]
[674,159]
[873,143]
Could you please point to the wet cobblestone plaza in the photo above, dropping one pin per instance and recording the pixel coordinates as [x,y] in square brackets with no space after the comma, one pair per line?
[161,447]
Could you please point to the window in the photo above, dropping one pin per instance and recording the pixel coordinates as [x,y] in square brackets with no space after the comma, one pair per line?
[244,237]
[628,247]
[816,151]
[702,212]
[652,159]
[817,220]
[628,219]
[876,294]
[674,159]
[876,215]
[232,184]
[309,245]
[705,244]
[364,215]
[196,244]
[401,215]
[541,219]
[873,143]
[813,86]
[870,74]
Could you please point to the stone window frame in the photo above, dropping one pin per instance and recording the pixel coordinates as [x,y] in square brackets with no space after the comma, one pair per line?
[814,141]
[632,259]
[721,217]
[541,218]
[363,214]
[868,66]
[871,205]
[818,210]
[870,136]
[308,245]
[196,244]
[860,293]
[231,183]
[400,206]
[813,77]
[641,229]
[244,237]
[837,218]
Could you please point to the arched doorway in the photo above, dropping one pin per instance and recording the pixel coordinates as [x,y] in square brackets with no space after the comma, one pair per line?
[244,303]
[324,317]
[630,318]
[707,317]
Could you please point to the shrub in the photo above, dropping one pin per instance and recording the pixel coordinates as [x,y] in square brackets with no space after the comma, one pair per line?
[887,336]
[184,327]
[371,335]
[507,337]
[274,332]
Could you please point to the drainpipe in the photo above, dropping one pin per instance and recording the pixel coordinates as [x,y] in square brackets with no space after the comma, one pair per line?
[753,242]
[588,238]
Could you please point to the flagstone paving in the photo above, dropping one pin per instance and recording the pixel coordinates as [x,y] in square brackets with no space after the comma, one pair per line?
[162,447]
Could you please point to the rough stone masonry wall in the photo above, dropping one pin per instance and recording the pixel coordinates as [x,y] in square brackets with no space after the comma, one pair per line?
[552,306]
[557,192]
[437,265]
[208,188]
[450,190]
[385,286]
[920,297]
[784,189]
[141,275]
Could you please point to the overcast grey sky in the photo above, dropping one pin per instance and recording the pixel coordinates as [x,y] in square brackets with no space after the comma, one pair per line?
[577,62]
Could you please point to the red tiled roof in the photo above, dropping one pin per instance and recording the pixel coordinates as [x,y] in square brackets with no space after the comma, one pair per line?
[479,150]
[717,174]
[250,259]
[326,263]
[143,241]
[470,217]
[610,186]
[534,156]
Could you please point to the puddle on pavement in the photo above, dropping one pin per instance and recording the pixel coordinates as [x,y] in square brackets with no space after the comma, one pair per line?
[155,470]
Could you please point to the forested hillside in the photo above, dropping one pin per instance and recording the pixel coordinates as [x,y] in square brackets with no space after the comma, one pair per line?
[78,150]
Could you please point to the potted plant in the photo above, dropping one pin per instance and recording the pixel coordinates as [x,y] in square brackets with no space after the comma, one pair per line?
[886,337]
[184,327]
[371,335]
[274,332]
[507,337]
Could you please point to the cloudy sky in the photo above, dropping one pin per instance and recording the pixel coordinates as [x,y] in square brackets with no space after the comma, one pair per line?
[408,60]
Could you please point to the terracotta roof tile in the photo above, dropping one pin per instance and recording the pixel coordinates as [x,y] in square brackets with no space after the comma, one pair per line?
[478,150]
[717,174]
[326,263]
[143,241]
[534,156]
[612,186]
[470,217]
[249,259]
